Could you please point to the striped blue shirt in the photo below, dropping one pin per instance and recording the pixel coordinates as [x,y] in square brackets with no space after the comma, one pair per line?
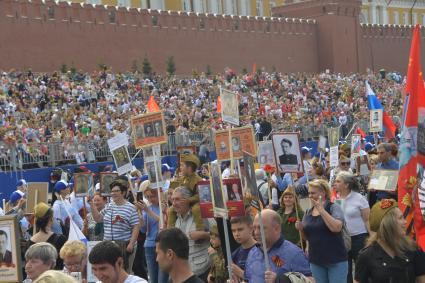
[119,220]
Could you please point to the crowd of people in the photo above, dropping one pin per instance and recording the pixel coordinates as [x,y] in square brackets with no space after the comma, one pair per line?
[325,228]
[75,113]
[324,225]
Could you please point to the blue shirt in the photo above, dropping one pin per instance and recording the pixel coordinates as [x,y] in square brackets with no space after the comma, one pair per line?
[240,255]
[288,257]
[151,227]
[390,165]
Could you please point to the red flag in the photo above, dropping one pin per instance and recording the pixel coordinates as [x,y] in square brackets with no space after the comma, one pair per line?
[412,144]
[360,131]
[219,104]
[152,106]
[390,127]
[254,68]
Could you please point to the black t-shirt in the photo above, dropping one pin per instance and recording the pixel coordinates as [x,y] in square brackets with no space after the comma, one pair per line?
[193,279]
[375,265]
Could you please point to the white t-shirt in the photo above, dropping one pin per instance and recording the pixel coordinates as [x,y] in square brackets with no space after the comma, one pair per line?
[352,206]
[132,279]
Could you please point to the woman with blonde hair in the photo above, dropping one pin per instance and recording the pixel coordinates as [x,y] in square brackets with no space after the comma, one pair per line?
[54,276]
[74,256]
[322,228]
[290,211]
[390,255]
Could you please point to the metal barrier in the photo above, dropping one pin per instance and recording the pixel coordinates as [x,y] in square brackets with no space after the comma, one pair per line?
[37,155]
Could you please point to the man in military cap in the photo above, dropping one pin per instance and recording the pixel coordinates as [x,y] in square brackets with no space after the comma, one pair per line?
[189,164]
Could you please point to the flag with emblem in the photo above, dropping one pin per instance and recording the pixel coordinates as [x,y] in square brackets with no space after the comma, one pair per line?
[412,147]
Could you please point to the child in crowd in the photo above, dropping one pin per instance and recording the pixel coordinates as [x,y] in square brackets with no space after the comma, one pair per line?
[242,231]
[218,272]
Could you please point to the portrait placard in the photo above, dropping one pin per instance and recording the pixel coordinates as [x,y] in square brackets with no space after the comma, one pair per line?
[148,129]
[37,192]
[266,154]
[83,184]
[287,152]
[355,145]
[235,204]
[383,180]
[333,136]
[243,139]
[218,198]
[229,107]
[106,179]
[321,145]
[118,145]
[153,169]
[362,165]
[376,121]
[205,199]
[10,263]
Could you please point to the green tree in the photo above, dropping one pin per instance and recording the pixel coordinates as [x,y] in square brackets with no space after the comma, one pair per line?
[171,66]
[64,68]
[146,67]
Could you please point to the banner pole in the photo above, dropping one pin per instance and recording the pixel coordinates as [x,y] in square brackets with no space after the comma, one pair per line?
[161,216]
[228,252]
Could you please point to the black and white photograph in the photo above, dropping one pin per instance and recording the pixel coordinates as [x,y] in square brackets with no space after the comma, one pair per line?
[234,189]
[149,131]
[122,159]
[287,152]
[219,204]
[154,178]
[158,129]
[236,143]
[321,145]
[376,121]
[138,132]
[266,154]
[10,252]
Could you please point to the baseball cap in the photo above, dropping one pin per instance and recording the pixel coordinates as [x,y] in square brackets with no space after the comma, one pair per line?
[166,168]
[21,182]
[61,185]
[305,150]
[15,196]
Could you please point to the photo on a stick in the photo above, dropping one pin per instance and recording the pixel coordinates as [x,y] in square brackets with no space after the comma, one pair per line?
[287,152]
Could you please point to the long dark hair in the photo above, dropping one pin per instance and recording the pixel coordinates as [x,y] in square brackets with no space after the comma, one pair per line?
[42,222]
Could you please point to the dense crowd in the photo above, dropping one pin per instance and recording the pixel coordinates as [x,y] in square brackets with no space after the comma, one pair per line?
[80,110]
[317,226]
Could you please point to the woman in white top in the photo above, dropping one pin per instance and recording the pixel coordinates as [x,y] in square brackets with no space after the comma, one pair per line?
[356,213]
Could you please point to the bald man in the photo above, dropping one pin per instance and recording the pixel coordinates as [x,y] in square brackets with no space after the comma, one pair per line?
[283,255]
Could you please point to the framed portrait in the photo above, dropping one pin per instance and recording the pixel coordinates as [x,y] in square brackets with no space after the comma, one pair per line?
[218,198]
[122,159]
[362,165]
[383,180]
[229,107]
[321,145]
[376,121]
[266,154]
[287,152]
[355,146]
[205,199]
[151,153]
[10,248]
[37,192]
[153,169]
[243,139]
[106,179]
[148,129]
[235,204]
[251,182]
[83,184]
[333,136]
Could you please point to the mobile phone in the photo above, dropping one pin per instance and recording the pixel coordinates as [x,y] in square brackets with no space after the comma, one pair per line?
[139,196]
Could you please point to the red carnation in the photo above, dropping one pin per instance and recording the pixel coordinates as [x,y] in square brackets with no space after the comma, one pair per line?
[269,169]
[292,219]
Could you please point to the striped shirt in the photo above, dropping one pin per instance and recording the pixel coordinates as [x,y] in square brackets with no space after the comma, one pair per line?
[118,221]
